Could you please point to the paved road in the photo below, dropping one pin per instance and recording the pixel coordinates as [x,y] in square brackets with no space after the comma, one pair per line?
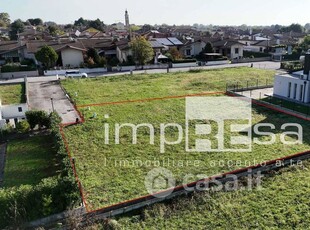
[40,94]
[2,162]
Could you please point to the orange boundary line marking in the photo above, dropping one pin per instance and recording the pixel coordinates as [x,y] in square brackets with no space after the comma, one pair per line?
[142,198]
[73,166]
[155,99]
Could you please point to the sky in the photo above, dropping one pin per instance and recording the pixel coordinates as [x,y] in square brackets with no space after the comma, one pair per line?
[187,12]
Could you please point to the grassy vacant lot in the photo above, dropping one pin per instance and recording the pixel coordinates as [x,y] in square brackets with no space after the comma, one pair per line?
[129,87]
[12,94]
[101,168]
[28,161]
[283,203]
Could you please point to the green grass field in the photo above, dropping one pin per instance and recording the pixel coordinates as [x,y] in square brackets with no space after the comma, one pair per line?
[28,161]
[104,170]
[116,88]
[282,203]
[12,94]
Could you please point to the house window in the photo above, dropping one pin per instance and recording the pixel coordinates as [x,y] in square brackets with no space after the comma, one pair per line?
[289,89]
[301,92]
[20,109]
[261,49]
[188,52]
[236,50]
[295,91]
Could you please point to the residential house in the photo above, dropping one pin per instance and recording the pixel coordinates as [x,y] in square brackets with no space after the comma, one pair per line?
[123,50]
[184,31]
[256,46]
[11,51]
[70,52]
[229,48]
[169,42]
[191,48]
[296,86]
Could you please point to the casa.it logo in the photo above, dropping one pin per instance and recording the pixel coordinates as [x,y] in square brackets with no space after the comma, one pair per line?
[159,182]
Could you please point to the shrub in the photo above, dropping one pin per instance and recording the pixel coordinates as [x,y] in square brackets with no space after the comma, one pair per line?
[16,67]
[37,117]
[250,54]
[22,127]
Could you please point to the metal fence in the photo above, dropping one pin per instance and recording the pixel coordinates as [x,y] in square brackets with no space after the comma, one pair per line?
[239,86]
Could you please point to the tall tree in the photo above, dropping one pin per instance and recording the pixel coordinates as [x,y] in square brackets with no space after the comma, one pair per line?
[54,30]
[35,21]
[4,20]
[297,28]
[80,22]
[97,24]
[208,48]
[305,45]
[175,54]
[92,53]
[141,50]
[47,56]
[16,27]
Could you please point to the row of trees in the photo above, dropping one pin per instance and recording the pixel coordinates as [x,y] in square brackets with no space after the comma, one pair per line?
[18,26]
[97,24]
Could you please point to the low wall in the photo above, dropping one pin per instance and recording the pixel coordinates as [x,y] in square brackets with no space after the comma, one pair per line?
[83,70]
[217,62]
[19,74]
[246,60]
[26,90]
[188,64]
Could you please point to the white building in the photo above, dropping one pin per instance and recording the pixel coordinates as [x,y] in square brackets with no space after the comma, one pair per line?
[295,86]
[11,114]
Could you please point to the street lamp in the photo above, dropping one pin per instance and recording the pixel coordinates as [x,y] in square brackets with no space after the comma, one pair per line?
[52,101]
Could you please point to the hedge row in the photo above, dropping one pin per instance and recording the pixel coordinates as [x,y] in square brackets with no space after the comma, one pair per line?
[51,195]
[16,68]
[250,54]
[291,65]
[184,61]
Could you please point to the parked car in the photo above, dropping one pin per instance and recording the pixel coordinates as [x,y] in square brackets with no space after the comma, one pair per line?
[75,73]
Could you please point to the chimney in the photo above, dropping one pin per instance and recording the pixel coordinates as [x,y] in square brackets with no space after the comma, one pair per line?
[307,65]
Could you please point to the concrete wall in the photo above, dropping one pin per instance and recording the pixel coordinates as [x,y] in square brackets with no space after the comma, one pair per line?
[19,74]
[180,65]
[251,60]
[292,88]
[82,70]
[72,57]
[217,62]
